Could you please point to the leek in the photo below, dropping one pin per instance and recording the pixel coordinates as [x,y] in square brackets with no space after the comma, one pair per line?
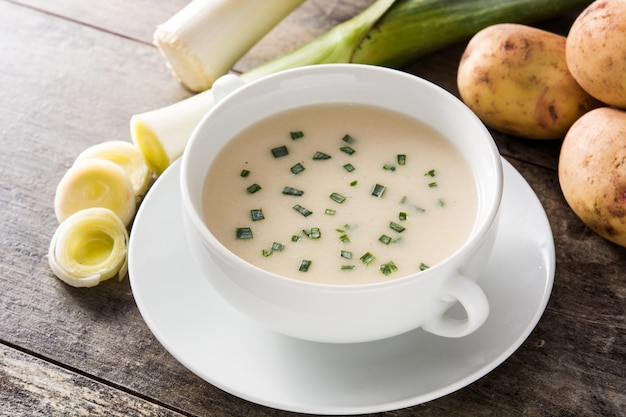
[387,33]
[207,37]
[88,247]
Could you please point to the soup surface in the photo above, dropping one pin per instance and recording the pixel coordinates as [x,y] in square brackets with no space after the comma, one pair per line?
[340,194]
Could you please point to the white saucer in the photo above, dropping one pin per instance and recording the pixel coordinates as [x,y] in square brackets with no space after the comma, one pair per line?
[229,351]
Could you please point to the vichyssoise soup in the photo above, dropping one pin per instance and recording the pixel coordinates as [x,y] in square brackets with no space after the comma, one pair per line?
[342,194]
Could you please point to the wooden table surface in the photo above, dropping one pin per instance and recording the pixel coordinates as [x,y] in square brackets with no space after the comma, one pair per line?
[72,73]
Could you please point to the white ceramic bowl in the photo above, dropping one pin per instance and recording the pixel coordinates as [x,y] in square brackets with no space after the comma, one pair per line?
[347,313]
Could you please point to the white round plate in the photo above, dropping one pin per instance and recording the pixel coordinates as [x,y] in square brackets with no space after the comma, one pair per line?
[231,352]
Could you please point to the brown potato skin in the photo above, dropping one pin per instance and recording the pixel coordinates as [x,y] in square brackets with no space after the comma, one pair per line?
[515,78]
[596,51]
[592,172]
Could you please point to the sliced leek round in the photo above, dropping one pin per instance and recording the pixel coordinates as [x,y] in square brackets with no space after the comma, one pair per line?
[127,156]
[95,183]
[89,247]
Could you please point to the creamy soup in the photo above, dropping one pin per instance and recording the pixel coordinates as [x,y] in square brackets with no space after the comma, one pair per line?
[340,194]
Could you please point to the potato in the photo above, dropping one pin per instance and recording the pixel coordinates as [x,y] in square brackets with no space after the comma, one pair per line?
[596,51]
[515,78]
[592,172]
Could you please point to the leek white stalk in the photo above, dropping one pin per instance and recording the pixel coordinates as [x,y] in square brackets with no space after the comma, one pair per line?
[162,134]
[127,156]
[89,247]
[95,183]
[207,37]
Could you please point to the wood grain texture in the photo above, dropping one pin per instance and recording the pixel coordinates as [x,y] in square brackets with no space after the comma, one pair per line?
[71,75]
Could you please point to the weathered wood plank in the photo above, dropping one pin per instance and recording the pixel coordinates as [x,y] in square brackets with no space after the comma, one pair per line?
[32,387]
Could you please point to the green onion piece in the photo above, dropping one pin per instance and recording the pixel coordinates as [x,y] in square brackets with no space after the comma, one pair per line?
[266,253]
[347,267]
[349,167]
[320,156]
[403,200]
[395,226]
[297,168]
[344,238]
[401,158]
[296,238]
[330,212]
[367,258]
[402,216]
[347,149]
[256,215]
[296,135]
[430,173]
[385,239]
[338,198]
[244,173]
[244,233]
[348,139]
[432,184]
[378,190]
[302,210]
[314,233]
[292,191]
[423,266]
[419,209]
[253,188]
[280,151]
[388,268]
[442,202]
[354,183]
[389,167]
[304,265]
[278,247]
[346,254]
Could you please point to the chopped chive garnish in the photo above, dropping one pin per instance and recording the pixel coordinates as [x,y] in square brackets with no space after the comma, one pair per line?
[278,247]
[314,233]
[338,198]
[304,265]
[354,183]
[256,215]
[347,267]
[378,190]
[296,238]
[344,238]
[401,158]
[402,216]
[395,226]
[367,258]
[253,188]
[419,209]
[346,254]
[385,239]
[296,135]
[330,212]
[244,233]
[320,155]
[388,268]
[244,173]
[403,200]
[389,167]
[430,173]
[348,139]
[292,191]
[442,202]
[305,212]
[347,149]
[349,167]
[423,266]
[280,151]
[297,168]
[432,184]
[266,253]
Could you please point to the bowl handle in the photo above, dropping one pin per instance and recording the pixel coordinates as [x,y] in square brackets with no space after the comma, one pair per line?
[471,297]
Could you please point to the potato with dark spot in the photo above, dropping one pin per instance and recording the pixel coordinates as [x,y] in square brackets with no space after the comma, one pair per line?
[592,172]
[515,78]
[596,51]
